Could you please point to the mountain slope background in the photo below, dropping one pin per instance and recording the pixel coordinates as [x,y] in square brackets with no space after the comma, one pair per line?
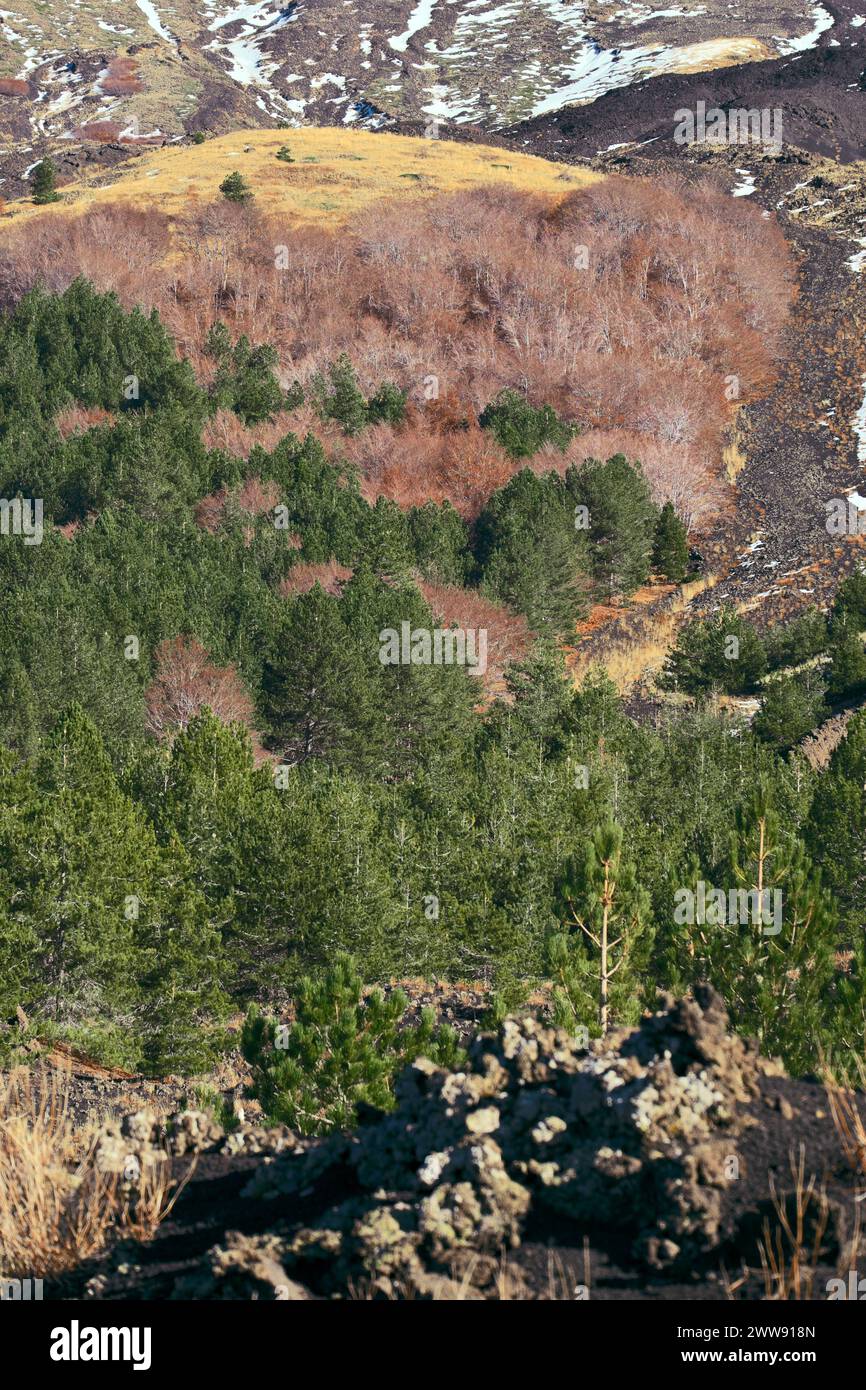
[157,70]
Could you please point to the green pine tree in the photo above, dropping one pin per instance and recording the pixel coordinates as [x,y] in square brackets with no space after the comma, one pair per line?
[622,520]
[790,708]
[342,1050]
[339,397]
[235,188]
[847,659]
[597,962]
[670,547]
[43,182]
[317,695]
[772,958]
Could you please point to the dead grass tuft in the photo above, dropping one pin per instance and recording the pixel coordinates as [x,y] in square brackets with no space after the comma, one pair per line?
[56,1207]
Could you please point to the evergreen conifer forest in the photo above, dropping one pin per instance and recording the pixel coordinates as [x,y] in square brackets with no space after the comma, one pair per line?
[433,661]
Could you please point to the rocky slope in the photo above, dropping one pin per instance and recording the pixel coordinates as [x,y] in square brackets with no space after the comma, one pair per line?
[160,68]
[642,1166]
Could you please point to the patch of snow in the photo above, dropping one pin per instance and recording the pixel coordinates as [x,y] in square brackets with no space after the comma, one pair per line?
[823,22]
[746,187]
[859,426]
[149,10]
[419,19]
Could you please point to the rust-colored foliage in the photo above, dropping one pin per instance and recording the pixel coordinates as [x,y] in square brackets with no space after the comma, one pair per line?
[642,311]
[253,498]
[225,430]
[303,577]
[508,634]
[106,132]
[185,681]
[121,78]
[78,419]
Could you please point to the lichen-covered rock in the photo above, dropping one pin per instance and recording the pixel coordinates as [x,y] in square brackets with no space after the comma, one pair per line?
[193,1132]
[634,1132]
[126,1147]
[246,1267]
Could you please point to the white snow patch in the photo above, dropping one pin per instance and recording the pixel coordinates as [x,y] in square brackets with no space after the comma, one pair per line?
[857,262]
[418,19]
[746,187]
[823,21]
[859,426]
[149,10]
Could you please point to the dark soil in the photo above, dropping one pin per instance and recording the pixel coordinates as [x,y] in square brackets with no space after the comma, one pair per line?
[557,1258]
[820,93]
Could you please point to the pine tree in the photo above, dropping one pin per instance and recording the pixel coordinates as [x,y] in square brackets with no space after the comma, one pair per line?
[339,397]
[847,659]
[772,958]
[317,696]
[791,706]
[850,601]
[622,520]
[180,970]
[235,188]
[723,653]
[342,1050]
[285,154]
[530,555]
[43,182]
[598,960]
[836,829]
[104,939]
[671,547]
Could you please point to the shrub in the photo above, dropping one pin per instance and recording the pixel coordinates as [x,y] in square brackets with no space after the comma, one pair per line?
[522,429]
[235,188]
[342,1051]
[388,405]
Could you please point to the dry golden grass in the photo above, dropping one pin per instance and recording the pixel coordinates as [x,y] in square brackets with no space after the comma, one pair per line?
[56,1207]
[639,638]
[719,53]
[789,1249]
[846,1116]
[733,459]
[337,172]
[788,1257]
